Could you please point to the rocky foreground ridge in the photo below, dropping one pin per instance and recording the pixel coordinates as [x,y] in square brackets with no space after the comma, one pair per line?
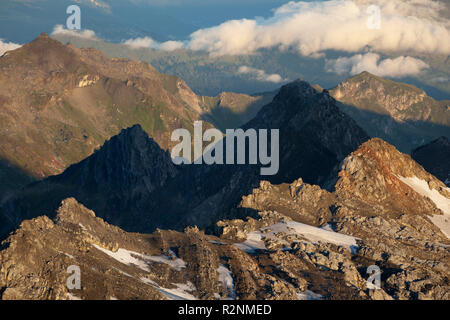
[307,243]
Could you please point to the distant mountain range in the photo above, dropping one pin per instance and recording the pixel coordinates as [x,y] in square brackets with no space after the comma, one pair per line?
[210,75]
[61,103]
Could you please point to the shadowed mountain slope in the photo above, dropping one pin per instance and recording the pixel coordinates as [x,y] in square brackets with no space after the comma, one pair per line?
[435,158]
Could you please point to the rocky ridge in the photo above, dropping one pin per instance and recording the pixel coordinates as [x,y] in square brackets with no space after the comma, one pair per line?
[305,243]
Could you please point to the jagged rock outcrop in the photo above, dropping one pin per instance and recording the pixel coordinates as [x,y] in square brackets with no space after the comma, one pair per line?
[398,213]
[375,173]
[310,123]
[117,265]
[129,162]
[434,157]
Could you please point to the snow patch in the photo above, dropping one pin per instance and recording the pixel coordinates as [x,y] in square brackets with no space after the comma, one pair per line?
[122,272]
[442,222]
[327,227]
[176,263]
[127,257]
[421,187]
[255,241]
[181,292]
[66,254]
[225,276]
[72,297]
[142,261]
[309,295]
[216,242]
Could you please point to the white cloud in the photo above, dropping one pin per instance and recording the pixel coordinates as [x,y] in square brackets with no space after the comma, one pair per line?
[396,68]
[314,27]
[440,79]
[147,42]
[7,46]
[85,33]
[260,75]
[96,3]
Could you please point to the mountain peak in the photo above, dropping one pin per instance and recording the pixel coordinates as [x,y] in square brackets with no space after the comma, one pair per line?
[366,74]
[43,35]
[389,85]
[378,173]
[44,38]
[295,89]
[134,131]
[43,53]
[130,161]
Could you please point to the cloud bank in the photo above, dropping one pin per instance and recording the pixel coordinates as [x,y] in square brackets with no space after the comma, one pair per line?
[147,42]
[314,27]
[396,68]
[260,75]
[96,4]
[7,46]
[85,33]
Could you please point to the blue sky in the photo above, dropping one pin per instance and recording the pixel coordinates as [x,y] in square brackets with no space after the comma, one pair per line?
[22,20]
